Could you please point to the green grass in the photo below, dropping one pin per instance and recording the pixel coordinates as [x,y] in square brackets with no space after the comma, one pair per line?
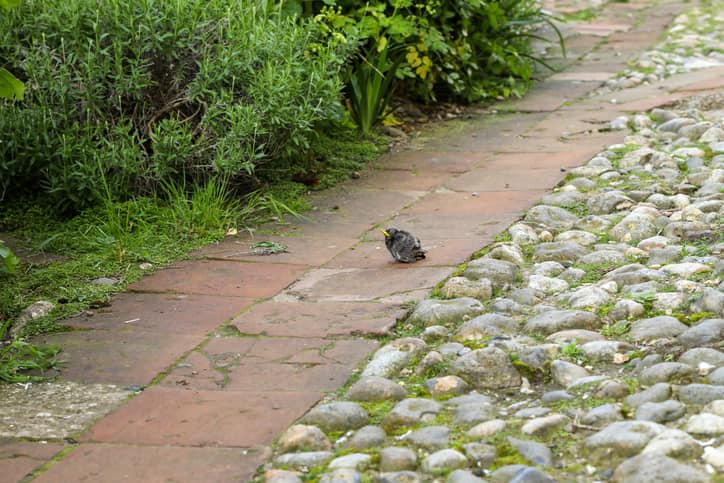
[114,239]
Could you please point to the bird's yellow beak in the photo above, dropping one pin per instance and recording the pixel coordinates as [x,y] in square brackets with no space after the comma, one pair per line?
[385,233]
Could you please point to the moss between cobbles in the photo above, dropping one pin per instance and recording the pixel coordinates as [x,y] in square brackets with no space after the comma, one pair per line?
[377,410]
[615,329]
[579,402]
[594,272]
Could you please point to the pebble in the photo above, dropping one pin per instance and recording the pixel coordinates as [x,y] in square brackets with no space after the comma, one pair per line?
[445,459]
[565,373]
[397,459]
[305,437]
[536,453]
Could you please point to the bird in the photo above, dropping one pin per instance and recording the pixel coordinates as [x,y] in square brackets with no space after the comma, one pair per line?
[403,245]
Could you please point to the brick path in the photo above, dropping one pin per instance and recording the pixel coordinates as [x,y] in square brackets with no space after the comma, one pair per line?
[292,324]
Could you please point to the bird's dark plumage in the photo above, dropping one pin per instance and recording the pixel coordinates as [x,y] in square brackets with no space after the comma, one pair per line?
[404,246]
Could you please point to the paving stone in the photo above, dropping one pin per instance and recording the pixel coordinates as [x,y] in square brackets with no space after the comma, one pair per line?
[357,207]
[319,319]
[272,364]
[176,313]
[358,285]
[308,250]
[517,179]
[167,416]
[435,161]
[55,410]
[19,458]
[111,462]
[125,356]
[214,277]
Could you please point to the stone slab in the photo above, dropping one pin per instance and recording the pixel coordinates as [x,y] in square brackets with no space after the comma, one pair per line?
[126,357]
[582,76]
[539,160]
[171,416]
[401,179]
[449,204]
[353,204]
[318,319]
[430,161]
[176,313]
[484,132]
[55,410]
[111,463]
[550,95]
[215,277]
[305,249]
[521,179]
[271,364]
[359,285]
[600,28]
[20,458]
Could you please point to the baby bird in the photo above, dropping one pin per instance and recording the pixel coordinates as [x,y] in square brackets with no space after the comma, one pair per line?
[404,246]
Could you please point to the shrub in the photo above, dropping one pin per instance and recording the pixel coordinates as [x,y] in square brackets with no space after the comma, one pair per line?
[465,50]
[138,92]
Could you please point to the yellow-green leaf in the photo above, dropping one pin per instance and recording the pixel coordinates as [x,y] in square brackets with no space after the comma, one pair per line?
[381,44]
[10,87]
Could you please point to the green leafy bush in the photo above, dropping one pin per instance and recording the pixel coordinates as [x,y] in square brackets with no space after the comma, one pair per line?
[127,94]
[465,50]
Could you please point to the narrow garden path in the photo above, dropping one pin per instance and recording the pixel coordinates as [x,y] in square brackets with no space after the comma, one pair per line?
[194,372]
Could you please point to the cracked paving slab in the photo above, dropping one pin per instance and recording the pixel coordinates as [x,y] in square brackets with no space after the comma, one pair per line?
[55,410]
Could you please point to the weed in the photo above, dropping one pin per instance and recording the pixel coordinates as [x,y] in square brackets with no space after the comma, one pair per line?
[615,329]
[594,271]
[573,351]
[579,209]
[646,299]
[503,236]
[17,357]
[581,16]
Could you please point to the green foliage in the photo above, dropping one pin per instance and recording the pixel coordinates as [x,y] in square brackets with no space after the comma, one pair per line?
[371,84]
[8,260]
[573,351]
[17,357]
[10,86]
[453,49]
[616,329]
[138,92]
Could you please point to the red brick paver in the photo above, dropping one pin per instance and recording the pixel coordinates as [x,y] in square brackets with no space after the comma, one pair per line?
[116,463]
[179,417]
[20,458]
